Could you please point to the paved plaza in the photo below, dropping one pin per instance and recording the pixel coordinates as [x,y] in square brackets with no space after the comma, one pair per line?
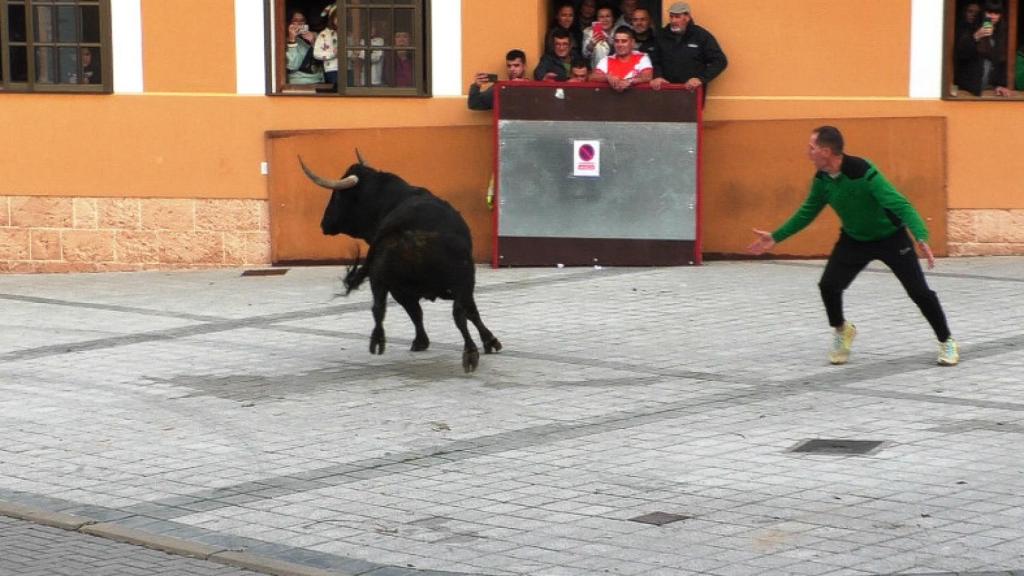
[637,422]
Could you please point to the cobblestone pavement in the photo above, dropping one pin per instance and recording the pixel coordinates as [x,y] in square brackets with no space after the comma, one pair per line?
[244,416]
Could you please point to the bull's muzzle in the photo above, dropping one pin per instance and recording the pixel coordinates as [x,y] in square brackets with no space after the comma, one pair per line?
[343,184]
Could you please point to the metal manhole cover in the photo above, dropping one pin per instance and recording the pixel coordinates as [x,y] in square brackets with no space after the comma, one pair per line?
[658,518]
[266,272]
[837,446]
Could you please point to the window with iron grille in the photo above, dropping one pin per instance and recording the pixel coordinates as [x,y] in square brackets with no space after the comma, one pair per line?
[350,47]
[55,45]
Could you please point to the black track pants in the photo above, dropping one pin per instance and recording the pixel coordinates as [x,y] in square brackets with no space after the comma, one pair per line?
[850,256]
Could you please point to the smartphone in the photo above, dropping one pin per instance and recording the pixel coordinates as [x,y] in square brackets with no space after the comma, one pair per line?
[987,23]
[597,28]
[492,77]
[303,28]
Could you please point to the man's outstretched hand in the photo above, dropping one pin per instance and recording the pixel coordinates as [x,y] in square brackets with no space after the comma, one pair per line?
[927,252]
[763,243]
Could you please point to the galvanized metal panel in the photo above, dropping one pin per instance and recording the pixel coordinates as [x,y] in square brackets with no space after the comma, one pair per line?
[647,188]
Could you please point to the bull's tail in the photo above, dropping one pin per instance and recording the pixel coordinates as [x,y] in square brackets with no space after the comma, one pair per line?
[355,274]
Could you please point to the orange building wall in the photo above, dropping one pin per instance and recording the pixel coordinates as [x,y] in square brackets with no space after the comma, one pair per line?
[189,136]
[188,46]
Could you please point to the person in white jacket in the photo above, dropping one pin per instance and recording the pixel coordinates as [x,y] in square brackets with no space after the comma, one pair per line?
[326,47]
[596,43]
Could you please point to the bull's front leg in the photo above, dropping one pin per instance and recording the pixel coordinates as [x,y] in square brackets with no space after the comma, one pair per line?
[491,344]
[380,302]
[470,353]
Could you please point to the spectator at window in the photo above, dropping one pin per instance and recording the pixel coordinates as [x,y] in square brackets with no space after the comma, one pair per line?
[644,33]
[579,70]
[626,8]
[565,19]
[483,99]
[302,67]
[981,53]
[326,47]
[90,68]
[1019,74]
[626,66]
[403,68]
[586,13]
[966,23]
[554,65]
[377,34]
[596,42]
[687,53]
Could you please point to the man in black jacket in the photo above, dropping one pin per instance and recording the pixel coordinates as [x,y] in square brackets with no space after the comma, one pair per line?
[481,98]
[687,53]
[554,65]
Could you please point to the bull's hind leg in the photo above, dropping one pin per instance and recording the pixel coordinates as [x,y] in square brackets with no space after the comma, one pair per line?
[415,312]
[380,302]
[470,353]
[490,343]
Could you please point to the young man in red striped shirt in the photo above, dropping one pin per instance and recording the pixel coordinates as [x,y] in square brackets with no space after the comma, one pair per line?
[626,66]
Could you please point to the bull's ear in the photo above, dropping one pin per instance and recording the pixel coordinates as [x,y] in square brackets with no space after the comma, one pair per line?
[344,183]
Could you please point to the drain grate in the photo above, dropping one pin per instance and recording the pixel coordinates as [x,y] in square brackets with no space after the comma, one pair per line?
[266,272]
[658,518]
[836,446]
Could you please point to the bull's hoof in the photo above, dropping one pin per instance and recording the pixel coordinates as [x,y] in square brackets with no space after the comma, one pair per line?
[377,346]
[420,345]
[492,346]
[470,360]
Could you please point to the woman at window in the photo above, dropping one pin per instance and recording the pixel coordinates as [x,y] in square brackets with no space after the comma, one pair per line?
[302,67]
[597,38]
[565,19]
[981,53]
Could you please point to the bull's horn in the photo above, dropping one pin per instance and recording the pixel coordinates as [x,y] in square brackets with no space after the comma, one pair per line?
[344,183]
[360,157]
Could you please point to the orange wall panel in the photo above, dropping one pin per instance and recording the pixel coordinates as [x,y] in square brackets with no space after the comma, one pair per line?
[188,45]
[458,171]
[757,174]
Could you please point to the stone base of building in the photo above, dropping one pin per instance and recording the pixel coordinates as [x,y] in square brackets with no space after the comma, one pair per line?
[986,232]
[53,234]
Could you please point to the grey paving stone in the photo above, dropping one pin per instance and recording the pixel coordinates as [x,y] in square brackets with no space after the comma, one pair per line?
[249,416]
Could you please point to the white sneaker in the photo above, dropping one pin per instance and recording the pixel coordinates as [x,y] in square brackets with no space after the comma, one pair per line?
[949,352]
[842,341]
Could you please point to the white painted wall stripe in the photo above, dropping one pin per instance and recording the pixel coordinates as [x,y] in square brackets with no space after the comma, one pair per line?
[250,57]
[926,18]
[126,40]
[446,47]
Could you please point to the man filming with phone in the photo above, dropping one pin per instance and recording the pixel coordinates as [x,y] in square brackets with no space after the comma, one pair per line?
[481,98]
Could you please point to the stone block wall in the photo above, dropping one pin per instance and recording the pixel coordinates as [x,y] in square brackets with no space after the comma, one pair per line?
[53,234]
[986,232]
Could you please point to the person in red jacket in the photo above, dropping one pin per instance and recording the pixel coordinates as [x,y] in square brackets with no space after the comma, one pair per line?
[626,66]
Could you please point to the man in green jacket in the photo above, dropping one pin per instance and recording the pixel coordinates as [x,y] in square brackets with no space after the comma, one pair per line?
[875,219]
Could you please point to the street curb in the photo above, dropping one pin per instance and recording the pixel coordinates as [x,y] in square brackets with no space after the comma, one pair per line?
[168,544]
[268,565]
[37,516]
[177,546]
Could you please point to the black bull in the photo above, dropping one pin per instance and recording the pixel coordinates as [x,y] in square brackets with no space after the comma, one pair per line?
[420,247]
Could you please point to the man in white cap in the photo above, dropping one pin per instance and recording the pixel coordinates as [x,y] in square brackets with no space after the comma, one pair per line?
[688,54]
